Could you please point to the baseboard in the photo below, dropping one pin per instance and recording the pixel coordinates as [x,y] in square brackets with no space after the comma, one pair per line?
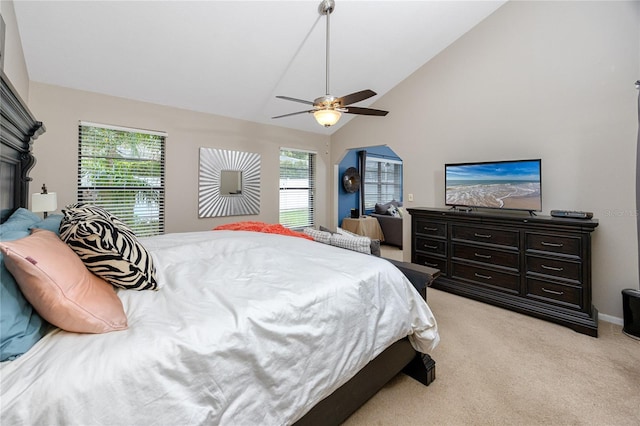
[611,319]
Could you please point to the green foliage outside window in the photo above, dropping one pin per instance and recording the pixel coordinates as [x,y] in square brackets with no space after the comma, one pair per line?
[297,188]
[123,171]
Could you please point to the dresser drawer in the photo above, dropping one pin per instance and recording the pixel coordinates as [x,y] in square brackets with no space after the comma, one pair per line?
[564,295]
[432,262]
[500,280]
[486,255]
[508,238]
[566,245]
[429,245]
[556,268]
[435,229]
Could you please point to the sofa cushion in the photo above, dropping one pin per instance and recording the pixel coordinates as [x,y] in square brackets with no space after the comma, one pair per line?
[384,208]
[393,211]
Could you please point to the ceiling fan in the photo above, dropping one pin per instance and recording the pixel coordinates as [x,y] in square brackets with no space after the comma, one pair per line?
[327,109]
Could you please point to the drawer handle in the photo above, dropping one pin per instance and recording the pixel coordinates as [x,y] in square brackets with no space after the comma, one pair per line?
[482,235]
[430,247]
[552,268]
[429,229]
[544,243]
[557,293]
[486,277]
[482,256]
[432,265]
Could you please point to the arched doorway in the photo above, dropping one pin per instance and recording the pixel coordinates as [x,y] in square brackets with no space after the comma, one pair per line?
[381,176]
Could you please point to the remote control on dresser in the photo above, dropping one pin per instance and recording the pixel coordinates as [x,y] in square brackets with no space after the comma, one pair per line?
[571,214]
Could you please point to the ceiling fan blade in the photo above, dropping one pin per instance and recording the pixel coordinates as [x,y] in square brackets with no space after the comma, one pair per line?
[366,111]
[293,113]
[302,101]
[356,97]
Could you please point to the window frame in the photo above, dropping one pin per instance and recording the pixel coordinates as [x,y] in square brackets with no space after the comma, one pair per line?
[379,196]
[150,218]
[310,188]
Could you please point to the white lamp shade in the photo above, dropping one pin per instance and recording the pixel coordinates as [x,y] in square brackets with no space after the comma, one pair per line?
[44,202]
[327,117]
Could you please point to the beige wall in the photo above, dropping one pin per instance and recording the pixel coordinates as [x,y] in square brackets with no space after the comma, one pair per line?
[14,64]
[56,150]
[536,79]
[550,80]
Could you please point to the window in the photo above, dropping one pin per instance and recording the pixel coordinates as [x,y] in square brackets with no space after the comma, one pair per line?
[122,170]
[382,181]
[297,188]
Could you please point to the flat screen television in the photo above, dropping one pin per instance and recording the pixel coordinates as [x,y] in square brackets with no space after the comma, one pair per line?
[509,185]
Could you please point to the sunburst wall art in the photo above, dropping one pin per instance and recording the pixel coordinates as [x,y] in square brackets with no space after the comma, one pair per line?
[243,168]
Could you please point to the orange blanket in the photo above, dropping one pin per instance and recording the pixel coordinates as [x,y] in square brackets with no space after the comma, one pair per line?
[268,228]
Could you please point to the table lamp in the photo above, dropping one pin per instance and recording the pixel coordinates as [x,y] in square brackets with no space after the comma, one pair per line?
[44,201]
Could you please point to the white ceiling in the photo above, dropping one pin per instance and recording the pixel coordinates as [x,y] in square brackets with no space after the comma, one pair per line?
[232,58]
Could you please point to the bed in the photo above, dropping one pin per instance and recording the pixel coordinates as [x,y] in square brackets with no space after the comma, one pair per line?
[236,333]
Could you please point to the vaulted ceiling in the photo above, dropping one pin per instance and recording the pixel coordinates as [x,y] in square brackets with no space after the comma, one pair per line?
[232,58]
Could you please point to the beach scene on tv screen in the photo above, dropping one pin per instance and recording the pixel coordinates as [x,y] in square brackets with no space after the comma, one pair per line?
[511,185]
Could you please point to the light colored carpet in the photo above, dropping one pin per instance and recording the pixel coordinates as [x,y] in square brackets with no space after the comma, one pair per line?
[390,252]
[496,367]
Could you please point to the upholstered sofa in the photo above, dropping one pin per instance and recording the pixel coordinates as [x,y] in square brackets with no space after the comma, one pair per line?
[390,221]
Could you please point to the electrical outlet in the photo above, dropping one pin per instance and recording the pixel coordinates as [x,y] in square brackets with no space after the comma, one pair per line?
[410,197]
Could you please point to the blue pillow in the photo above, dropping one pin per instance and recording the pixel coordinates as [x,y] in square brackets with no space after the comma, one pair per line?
[50,223]
[20,325]
[20,220]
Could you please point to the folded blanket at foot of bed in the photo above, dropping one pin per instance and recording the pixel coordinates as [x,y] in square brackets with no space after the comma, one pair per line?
[267,228]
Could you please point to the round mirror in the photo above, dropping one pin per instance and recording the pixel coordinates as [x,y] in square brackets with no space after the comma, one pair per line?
[351,180]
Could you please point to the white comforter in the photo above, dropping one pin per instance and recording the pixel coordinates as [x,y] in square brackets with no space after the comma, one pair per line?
[247,329]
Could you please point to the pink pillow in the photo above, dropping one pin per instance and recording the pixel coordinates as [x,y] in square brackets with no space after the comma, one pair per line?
[60,288]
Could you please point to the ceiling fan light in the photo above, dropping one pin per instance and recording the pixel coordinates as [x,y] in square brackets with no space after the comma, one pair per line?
[327,117]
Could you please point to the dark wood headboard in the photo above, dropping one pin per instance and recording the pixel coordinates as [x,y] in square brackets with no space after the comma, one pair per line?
[18,130]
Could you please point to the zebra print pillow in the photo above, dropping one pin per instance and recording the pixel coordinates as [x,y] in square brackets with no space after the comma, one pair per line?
[107,247]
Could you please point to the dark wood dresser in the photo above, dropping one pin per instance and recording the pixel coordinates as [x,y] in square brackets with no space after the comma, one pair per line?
[535,265]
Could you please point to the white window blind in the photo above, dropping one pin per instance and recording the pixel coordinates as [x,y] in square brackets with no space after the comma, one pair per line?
[122,170]
[297,188]
[382,181]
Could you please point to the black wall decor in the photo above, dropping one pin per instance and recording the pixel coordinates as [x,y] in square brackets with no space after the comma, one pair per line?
[351,180]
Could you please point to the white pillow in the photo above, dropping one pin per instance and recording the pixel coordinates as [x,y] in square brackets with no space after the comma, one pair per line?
[351,242]
[319,236]
[347,233]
